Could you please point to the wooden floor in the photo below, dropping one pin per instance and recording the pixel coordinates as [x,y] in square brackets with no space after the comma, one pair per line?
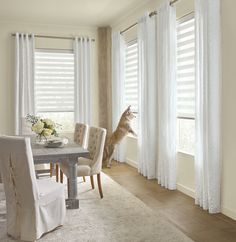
[176,206]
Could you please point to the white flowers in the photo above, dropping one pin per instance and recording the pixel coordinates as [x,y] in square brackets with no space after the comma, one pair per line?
[38,127]
[42,127]
[49,122]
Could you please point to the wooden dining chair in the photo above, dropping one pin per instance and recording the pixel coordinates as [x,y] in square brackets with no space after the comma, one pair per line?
[93,165]
[80,138]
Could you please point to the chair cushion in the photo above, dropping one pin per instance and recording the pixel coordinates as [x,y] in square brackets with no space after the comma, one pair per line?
[49,190]
[83,170]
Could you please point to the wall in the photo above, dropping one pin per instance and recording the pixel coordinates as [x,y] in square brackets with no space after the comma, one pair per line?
[185,163]
[228,24]
[7,62]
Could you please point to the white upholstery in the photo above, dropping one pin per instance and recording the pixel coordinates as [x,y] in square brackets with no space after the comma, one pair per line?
[80,134]
[93,165]
[34,207]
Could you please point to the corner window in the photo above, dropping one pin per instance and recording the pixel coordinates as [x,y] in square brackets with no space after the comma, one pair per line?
[131,79]
[186,84]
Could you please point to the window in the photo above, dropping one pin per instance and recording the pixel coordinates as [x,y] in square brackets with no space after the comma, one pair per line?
[131,79]
[54,86]
[186,84]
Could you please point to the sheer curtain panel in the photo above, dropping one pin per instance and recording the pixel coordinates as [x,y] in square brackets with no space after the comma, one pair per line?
[147,136]
[24,79]
[118,74]
[83,94]
[208,105]
[166,81]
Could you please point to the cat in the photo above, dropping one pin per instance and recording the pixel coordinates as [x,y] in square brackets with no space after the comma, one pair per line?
[123,129]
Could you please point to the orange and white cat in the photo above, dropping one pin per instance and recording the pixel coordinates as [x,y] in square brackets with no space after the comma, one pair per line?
[123,129]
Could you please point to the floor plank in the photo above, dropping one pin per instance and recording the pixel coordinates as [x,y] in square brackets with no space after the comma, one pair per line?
[176,206]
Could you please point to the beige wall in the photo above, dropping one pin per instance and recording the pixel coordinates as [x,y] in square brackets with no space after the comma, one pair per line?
[7,62]
[229,110]
[185,163]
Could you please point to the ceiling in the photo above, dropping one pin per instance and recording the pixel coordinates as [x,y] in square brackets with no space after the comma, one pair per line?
[67,12]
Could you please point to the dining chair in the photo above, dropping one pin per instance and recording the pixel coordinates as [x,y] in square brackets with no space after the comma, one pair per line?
[80,138]
[34,206]
[93,165]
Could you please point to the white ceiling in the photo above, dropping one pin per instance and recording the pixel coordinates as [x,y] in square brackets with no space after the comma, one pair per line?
[72,12]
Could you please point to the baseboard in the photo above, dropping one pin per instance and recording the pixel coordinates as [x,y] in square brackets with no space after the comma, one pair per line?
[229,212]
[186,190]
[131,163]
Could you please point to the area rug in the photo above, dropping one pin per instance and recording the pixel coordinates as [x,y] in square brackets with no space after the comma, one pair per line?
[119,216]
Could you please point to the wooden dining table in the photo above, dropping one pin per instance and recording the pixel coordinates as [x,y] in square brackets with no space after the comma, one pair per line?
[69,154]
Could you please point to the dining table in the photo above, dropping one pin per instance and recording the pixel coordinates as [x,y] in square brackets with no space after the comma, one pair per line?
[69,154]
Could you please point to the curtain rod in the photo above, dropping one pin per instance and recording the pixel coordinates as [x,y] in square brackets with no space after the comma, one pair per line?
[150,15]
[51,37]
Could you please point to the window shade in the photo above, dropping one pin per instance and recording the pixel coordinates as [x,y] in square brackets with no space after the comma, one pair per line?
[186,68]
[54,81]
[131,76]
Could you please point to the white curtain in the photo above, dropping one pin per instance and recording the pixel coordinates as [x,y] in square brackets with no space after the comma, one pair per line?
[208,105]
[24,79]
[147,136]
[83,94]
[166,81]
[118,59]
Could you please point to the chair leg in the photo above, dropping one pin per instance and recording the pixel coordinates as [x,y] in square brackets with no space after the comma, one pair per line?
[92,182]
[61,176]
[57,172]
[84,179]
[99,185]
[51,169]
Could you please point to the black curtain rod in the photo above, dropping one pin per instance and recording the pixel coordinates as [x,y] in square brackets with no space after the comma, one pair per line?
[150,15]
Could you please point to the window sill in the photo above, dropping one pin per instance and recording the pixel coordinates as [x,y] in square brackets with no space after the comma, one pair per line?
[185,153]
[132,136]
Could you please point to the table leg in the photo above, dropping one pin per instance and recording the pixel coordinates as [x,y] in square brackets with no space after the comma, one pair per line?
[72,202]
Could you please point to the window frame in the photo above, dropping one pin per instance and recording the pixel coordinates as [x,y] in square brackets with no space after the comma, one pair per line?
[129,43]
[180,20]
[53,50]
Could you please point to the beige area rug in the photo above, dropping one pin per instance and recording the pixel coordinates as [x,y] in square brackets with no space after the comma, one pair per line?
[119,216]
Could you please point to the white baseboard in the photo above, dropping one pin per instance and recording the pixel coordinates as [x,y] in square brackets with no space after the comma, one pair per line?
[229,212]
[186,190]
[131,163]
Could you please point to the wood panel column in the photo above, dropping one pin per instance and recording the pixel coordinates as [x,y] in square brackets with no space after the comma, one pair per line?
[104,78]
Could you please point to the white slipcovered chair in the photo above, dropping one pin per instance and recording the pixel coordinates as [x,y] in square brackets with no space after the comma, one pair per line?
[92,165]
[34,206]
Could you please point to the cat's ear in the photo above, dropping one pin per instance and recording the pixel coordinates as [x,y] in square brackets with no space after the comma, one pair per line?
[128,109]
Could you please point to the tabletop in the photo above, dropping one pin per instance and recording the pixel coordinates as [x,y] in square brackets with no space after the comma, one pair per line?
[70,151]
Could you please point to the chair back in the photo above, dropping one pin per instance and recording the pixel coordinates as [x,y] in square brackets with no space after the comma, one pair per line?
[96,142]
[17,171]
[80,134]
[26,128]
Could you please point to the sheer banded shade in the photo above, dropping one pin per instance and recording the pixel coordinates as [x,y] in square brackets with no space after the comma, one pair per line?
[54,81]
[186,67]
[131,75]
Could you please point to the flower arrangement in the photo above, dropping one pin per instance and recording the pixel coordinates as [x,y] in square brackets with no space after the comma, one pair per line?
[42,127]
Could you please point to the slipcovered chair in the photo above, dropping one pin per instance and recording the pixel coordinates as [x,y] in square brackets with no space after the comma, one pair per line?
[34,206]
[92,165]
[80,138]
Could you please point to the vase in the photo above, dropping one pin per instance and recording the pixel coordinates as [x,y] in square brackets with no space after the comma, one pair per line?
[40,140]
